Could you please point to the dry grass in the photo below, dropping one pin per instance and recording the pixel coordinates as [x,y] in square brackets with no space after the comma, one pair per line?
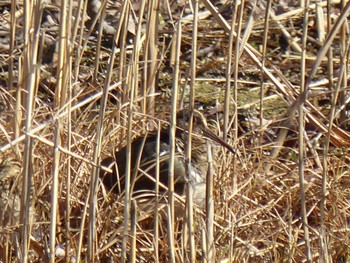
[284,197]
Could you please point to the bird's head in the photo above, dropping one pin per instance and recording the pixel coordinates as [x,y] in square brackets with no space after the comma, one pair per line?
[200,127]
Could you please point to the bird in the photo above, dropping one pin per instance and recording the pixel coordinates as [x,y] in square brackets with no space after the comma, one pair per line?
[144,155]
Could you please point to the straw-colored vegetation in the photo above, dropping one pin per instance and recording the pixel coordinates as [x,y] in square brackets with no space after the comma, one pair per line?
[273,82]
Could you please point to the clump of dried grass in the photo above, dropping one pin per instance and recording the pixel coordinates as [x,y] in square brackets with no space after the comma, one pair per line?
[258,202]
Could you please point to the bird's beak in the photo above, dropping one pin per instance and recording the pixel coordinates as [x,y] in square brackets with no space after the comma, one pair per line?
[207,133]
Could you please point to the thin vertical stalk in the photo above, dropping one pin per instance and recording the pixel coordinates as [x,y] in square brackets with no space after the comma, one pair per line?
[263,57]
[60,96]
[133,80]
[79,19]
[86,37]
[124,66]
[17,112]
[204,244]
[78,53]
[323,241]
[152,55]
[229,72]
[156,214]
[29,83]
[133,220]
[102,15]
[127,200]
[72,93]
[189,198]
[344,61]
[70,45]
[170,226]
[301,135]
[248,26]
[82,224]
[235,83]
[236,63]
[69,169]
[172,142]
[330,51]
[123,70]
[127,176]
[97,149]
[232,235]
[210,207]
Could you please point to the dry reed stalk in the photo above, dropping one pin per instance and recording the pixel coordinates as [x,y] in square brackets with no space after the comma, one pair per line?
[60,102]
[17,102]
[156,214]
[126,213]
[133,219]
[323,239]
[228,79]
[301,132]
[172,146]
[209,237]
[188,148]
[150,64]
[101,18]
[99,131]
[263,58]
[30,83]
